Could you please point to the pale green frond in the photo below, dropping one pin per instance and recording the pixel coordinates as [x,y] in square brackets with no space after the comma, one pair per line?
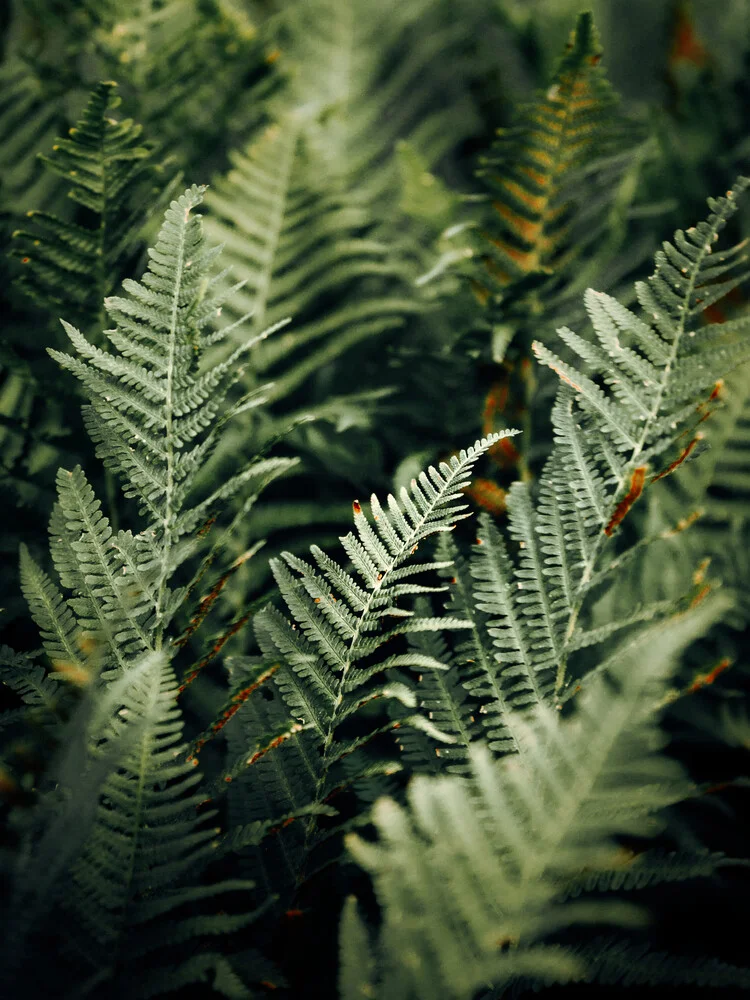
[58,628]
[490,857]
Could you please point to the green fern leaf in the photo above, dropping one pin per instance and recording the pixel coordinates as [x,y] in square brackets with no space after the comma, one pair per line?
[333,657]
[154,418]
[486,857]
[276,185]
[548,208]
[60,632]
[115,179]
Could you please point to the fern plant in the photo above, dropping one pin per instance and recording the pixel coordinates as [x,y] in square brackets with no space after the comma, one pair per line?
[551,216]
[527,598]
[155,415]
[115,178]
[505,697]
[335,655]
[524,606]
[472,876]
[71,265]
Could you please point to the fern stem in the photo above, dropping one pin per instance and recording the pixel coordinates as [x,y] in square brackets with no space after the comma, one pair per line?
[166,540]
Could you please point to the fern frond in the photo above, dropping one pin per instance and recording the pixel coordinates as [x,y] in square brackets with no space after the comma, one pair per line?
[132,889]
[60,632]
[609,442]
[443,699]
[612,429]
[72,266]
[486,857]
[333,655]
[649,868]
[295,246]
[405,55]
[36,688]
[269,781]
[30,112]
[618,963]
[155,419]
[550,174]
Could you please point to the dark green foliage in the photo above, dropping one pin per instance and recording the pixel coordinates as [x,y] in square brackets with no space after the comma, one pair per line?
[498,743]
[550,175]
[111,175]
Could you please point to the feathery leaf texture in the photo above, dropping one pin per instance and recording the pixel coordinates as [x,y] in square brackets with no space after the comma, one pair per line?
[114,177]
[39,691]
[296,245]
[133,889]
[488,856]
[612,429]
[355,118]
[442,697]
[551,175]
[333,657]
[155,418]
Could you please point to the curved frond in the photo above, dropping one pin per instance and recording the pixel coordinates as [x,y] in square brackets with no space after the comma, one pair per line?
[335,653]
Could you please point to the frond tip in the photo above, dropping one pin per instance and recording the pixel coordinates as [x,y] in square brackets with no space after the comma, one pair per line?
[114,176]
[550,175]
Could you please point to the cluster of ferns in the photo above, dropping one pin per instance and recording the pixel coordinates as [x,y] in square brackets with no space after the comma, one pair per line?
[375,459]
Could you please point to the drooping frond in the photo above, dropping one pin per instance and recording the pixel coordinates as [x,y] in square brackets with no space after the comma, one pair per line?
[154,415]
[618,963]
[336,651]
[488,858]
[71,266]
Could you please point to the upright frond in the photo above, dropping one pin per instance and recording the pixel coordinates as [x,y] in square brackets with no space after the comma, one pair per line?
[621,425]
[635,402]
[303,251]
[154,415]
[114,177]
[532,167]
